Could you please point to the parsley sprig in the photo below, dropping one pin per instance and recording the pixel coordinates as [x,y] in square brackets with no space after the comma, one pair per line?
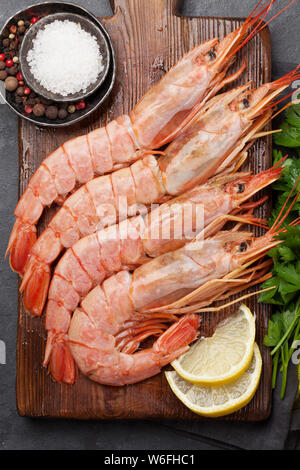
[284,325]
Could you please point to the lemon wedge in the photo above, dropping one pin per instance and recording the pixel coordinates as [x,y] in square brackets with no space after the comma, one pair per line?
[223,357]
[218,400]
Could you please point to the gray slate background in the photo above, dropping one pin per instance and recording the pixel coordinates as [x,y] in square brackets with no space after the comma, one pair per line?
[22,433]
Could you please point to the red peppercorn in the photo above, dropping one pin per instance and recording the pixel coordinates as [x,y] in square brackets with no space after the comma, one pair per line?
[9,63]
[2,57]
[28,109]
[19,76]
[80,105]
[34,20]
[13,29]
[27,91]
[21,83]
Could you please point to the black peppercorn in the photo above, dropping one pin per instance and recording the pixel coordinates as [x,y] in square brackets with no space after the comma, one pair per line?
[45,101]
[13,45]
[30,101]
[3,74]
[20,91]
[2,65]
[51,112]
[5,33]
[6,42]
[21,29]
[18,99]
[13,70]
[62,113]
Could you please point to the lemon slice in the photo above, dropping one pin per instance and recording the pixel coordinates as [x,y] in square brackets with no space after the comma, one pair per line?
[218,400]
[222,357]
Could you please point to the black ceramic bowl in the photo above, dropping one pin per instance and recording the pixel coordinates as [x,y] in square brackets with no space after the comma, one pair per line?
[27,44]
[95,99]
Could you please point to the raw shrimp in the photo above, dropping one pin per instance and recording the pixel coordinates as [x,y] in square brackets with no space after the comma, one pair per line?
[114,317]
[215,141]
[156,120]
[97,256]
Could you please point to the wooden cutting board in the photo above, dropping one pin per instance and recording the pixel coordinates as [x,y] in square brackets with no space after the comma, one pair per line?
[148,37]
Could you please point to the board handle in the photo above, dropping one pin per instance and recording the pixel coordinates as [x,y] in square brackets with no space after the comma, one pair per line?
[170,7]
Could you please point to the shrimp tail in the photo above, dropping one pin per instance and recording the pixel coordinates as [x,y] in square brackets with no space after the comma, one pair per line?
[60,360]
[176,339]
[35,285]
[21,241]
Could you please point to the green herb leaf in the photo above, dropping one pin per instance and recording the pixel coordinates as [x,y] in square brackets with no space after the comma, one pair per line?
[275,330]
[289,137]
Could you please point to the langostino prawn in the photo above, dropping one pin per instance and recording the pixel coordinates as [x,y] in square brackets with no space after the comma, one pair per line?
[156,119]
[215,142]
[115,317]
[135,241]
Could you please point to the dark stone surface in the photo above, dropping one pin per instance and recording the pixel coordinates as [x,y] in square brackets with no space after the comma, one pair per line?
[22,433]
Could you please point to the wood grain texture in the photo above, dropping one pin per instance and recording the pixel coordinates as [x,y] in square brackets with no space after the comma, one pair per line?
[148,38]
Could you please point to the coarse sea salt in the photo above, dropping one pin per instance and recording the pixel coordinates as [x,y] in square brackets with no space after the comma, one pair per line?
[64,58]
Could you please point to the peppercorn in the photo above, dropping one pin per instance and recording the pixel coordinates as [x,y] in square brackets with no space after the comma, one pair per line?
[3,74]
[80,105]
[6,42]
[21,29]
[13,70]
[27,91]
[21,83]
[21,23]
[13,45]
[51,112]
[20,91]
[71,109]
[13,29]
[39,110]
[9,63]
[62,113]
[2,65]
[30,101]
[19,76]
[12,36]
[5,33]
[16,59]
[2,57]
[11,83]
[18,99]
[46,101]
[28,109]
[34,20]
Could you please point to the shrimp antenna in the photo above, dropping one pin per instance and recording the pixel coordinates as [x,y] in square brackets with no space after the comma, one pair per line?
[278,222]
[258,15]
[272,105]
